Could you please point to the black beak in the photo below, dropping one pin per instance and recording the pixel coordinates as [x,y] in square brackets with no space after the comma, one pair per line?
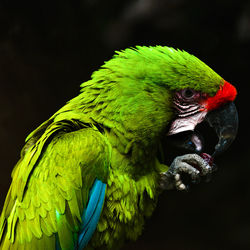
[225,122]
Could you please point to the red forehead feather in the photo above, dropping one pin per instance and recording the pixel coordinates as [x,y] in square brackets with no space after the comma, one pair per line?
[226,93]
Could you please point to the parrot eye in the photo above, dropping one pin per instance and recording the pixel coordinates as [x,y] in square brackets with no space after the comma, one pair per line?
[188,93]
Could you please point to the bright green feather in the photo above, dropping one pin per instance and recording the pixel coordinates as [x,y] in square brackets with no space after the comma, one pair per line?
[111,131]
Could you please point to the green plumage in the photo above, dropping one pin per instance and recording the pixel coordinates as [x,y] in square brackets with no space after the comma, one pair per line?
[111,131]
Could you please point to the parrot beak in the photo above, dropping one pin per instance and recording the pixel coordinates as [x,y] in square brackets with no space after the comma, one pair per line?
[225,123]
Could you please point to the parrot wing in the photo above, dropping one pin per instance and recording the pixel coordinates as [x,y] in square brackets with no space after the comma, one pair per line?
[58,189]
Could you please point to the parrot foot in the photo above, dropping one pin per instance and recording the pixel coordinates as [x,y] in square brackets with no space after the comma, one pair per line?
[192,166]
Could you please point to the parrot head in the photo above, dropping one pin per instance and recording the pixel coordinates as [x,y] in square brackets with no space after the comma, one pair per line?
[160,92]
[192,107]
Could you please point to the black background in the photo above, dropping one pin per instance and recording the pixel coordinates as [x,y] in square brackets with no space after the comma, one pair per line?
[47,48]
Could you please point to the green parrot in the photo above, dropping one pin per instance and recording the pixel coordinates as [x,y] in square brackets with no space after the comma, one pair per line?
[89,176]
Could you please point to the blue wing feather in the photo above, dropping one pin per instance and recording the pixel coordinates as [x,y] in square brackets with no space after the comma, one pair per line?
[92,213]
[90,216]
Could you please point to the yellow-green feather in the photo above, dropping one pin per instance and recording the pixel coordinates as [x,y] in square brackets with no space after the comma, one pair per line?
[57,184]
[110,131]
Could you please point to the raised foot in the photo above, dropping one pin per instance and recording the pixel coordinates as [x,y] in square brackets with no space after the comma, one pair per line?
[191,165]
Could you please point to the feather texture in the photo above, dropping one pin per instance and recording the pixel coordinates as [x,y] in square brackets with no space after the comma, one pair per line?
[56,191]
[104,142]
[92,213]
